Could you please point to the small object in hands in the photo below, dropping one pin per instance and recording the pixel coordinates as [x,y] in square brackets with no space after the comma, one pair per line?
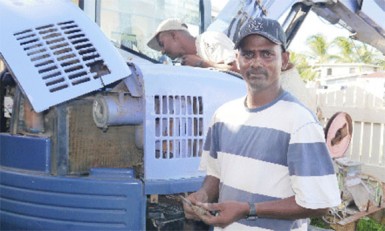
[195,208]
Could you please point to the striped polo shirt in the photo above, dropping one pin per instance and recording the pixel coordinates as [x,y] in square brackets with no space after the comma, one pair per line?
[270,153]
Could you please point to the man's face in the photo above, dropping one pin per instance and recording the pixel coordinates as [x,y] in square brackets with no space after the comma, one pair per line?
[169,43]
[260,62]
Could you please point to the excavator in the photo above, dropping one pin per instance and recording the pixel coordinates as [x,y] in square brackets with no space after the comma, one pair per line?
[95,132]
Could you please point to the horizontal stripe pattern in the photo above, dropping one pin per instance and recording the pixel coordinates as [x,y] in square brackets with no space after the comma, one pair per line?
[270,153]
[288,115]
[309,160]
[210,165]
[274,142]
[311,132]
[232,194]
[255,176]
[248,135]
[317,191]
[229,193]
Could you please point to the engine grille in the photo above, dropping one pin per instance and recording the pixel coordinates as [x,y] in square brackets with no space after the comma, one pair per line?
[90,147]
[178,126]
[62,54]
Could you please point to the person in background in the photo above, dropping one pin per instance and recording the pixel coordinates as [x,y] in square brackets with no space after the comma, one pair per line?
[209,49]
[266,162]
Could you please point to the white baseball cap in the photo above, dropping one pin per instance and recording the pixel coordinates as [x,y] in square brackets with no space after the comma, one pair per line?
[166,25]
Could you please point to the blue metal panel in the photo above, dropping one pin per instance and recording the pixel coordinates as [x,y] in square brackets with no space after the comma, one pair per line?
[173,186]
[41,202]
[25,152]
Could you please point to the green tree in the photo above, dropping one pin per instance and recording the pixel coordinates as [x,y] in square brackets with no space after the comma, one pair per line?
[381,62]
[365,53]
[319,48]
[347,49]
[356,51]
[304,68]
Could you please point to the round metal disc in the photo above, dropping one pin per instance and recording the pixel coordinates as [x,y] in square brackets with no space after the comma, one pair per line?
[338,134]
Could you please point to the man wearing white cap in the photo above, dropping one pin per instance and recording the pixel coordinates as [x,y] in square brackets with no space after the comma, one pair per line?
[209,49]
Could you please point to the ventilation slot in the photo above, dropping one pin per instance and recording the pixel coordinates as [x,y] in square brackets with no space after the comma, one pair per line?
[178,126]
[62,54]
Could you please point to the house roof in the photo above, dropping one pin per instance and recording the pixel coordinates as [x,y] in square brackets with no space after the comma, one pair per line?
[345,65]
[378,74]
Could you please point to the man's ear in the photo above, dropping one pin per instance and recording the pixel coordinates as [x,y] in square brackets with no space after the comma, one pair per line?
[237,59]
[173,34]
[285,60]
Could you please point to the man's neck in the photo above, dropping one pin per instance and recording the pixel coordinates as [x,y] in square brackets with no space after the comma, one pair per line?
[257,99]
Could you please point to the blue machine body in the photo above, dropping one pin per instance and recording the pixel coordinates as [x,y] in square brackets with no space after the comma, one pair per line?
[106,199]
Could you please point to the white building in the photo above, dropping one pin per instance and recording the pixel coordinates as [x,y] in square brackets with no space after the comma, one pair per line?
[342,74]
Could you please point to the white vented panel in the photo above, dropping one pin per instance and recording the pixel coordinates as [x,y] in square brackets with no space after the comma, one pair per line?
[178,126]
[179,104]
[62,55]
[55,52]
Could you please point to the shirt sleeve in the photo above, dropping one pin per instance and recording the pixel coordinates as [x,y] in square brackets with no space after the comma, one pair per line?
[311,169]
[215,47]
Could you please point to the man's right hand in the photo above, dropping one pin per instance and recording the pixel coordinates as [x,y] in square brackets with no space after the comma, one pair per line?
[194,198]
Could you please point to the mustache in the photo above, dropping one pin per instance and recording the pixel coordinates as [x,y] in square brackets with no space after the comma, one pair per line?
[257,71]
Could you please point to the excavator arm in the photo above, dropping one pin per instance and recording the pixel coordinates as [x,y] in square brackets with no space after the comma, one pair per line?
[363,18]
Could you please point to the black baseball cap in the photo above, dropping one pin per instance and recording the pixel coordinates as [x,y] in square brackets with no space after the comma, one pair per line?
[268,28]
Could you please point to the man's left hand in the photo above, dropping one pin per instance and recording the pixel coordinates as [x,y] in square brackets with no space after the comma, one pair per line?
[192,60]
[223,214]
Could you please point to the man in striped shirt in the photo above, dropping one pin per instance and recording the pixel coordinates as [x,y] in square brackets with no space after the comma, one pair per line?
[267,165]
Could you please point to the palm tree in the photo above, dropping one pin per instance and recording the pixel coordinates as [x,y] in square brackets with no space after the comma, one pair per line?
[347,49]
[366,54]
[355,51]
[319,48]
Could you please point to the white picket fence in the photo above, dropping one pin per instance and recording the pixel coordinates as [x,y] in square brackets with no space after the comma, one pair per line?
[368,115]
